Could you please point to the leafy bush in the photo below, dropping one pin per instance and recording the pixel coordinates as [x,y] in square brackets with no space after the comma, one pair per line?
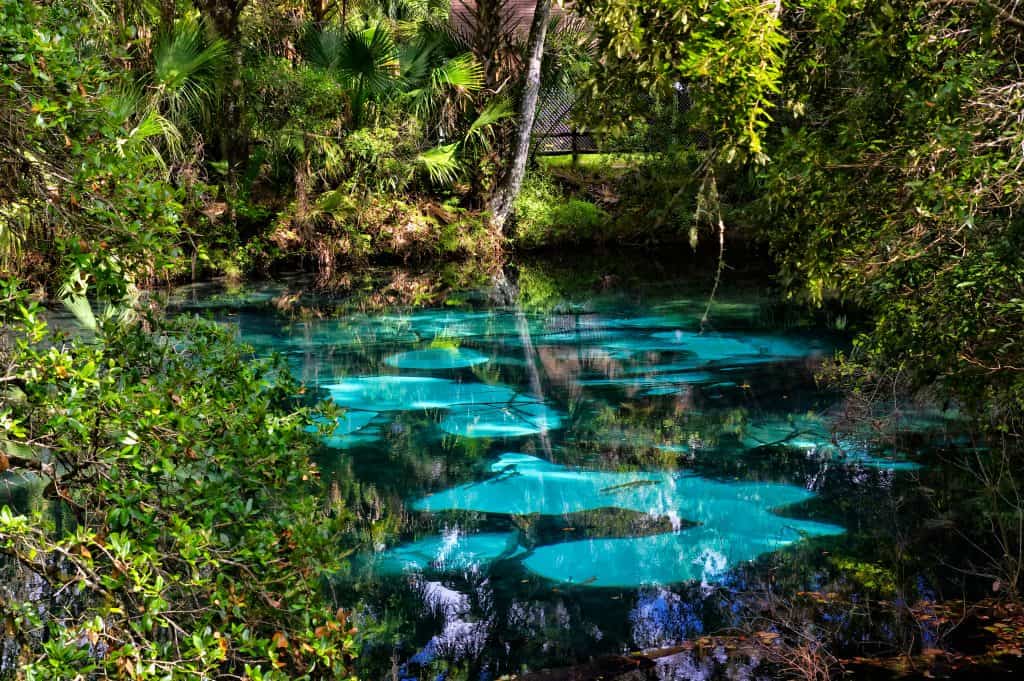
[183,535]
[895,187]
[83,179]
[546,217]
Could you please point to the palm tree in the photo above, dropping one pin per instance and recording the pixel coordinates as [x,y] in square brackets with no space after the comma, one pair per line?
[502,202]
[366,60]
[187,64]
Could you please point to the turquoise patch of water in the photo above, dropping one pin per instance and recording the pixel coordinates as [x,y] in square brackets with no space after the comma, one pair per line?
[526,484]
[584,336]
[659,392]
[701,553]
[347,423]
[452,551]
[411,393]
[670,321]
[711,347]
[658,381]
[670,367]
[477,410]
[458,323]
[813,436]
[348,430]
[736,519]
[523,416]
[437,359]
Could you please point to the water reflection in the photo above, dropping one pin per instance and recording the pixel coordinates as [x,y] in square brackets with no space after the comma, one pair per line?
[576,476]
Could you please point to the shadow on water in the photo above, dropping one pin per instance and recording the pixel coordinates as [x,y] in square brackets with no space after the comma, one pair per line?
[560,464]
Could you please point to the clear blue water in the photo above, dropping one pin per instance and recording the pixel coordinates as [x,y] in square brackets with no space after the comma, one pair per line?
[579,471]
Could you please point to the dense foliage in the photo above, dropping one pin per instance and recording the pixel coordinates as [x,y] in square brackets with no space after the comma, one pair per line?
[84,153]
[729,52]
[874,146]
[895,185]
[182,535]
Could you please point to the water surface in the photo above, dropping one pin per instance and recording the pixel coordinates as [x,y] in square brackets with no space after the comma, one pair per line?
[585,465]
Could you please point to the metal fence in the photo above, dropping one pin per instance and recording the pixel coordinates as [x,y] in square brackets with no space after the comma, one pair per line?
[555,135]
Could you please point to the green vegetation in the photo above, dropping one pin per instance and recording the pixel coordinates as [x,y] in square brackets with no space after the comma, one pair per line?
[547,217]
[183,536]
[895,186]
[873,149]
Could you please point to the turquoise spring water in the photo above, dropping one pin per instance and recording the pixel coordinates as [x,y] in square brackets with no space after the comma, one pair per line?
[537,483]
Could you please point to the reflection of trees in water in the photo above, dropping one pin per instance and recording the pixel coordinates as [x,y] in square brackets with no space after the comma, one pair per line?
[710,427]
[23,493]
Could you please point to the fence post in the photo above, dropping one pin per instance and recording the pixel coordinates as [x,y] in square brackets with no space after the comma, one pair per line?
[575,149]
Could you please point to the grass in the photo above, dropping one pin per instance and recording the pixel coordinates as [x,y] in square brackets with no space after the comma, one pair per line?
[629,160]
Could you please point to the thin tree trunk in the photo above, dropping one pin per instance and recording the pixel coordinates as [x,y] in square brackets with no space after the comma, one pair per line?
[530,355]
[168,9]
[504,198]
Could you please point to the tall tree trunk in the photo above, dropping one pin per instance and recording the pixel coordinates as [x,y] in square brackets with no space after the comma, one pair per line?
[504,198]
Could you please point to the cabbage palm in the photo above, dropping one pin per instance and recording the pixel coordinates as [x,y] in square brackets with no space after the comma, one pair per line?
[442,162]
[186,67]
[366,60]
[440,92]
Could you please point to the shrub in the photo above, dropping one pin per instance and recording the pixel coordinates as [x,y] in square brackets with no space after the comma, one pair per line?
[545,216]
[183,536]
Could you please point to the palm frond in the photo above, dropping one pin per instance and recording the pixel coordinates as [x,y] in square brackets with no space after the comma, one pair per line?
[369,59]
[186,64]
[414,60]
[497,110]
[125,103]
[463,73]
[332,158]
[153,125]
[366,60]
[456,77]
[441,163]
[320,48]
[72,296]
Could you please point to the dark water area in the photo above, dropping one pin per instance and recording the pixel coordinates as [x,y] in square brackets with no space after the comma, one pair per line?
[568,460]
